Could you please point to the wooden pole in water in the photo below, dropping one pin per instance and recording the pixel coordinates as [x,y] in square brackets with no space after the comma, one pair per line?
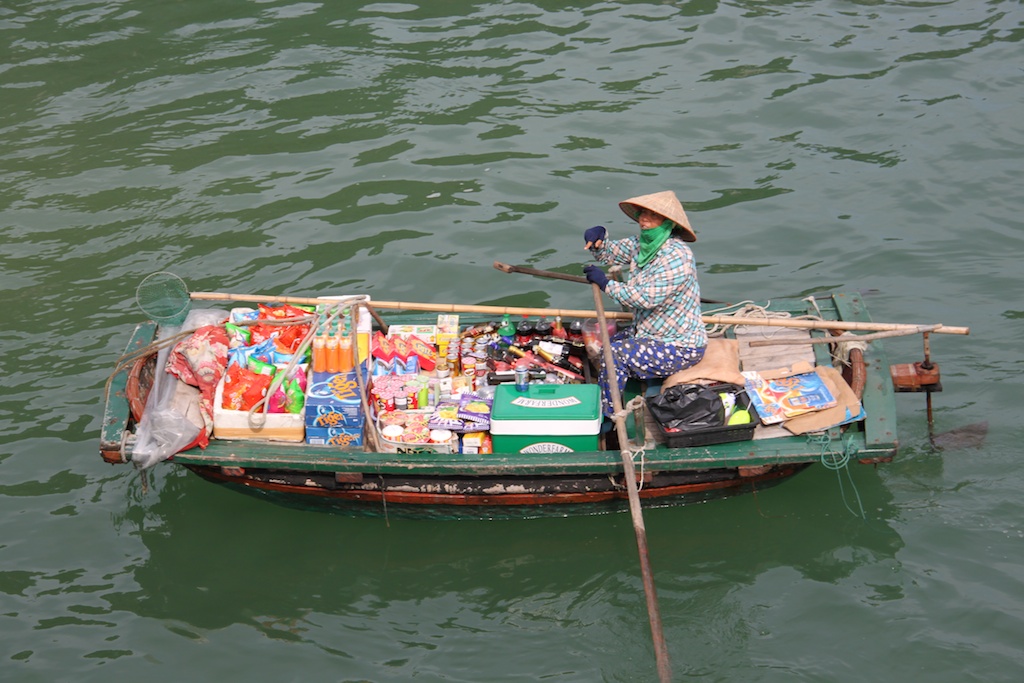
[629,474]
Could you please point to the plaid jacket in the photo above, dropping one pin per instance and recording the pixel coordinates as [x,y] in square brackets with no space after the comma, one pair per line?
[663,295]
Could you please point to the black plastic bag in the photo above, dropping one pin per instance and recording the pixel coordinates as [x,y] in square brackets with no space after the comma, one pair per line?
[687,408]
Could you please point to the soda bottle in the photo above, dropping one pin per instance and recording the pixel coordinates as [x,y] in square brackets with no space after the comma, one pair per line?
[331,352]
[524,332]
[576,330]
[345,350]
[319,354]
[557,331]
[506,329]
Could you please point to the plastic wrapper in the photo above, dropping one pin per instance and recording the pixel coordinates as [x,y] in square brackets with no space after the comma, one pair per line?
[243,388]
[475,410]
[264,351]
[168,424]
[238,334]
[290,396]
[261,367]
[285,338]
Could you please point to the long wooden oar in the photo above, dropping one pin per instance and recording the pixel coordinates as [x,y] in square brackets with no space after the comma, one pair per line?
[629,474]
[506,268]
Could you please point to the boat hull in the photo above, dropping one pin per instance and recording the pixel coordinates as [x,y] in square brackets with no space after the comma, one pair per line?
[491,498]
[424,483]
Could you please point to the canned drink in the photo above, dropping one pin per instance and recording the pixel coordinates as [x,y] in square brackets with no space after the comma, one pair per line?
[522,378]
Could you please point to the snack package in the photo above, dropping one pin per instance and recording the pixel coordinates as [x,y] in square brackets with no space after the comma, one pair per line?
[476,411]
[406,362]
[261,367]
[237,334]
[243,388]
[290,397]
[383,355]
[446,416]
[425,353]
[286,338]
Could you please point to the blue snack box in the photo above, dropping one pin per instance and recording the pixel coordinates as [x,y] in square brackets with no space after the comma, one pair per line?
[341,437]
[332,400]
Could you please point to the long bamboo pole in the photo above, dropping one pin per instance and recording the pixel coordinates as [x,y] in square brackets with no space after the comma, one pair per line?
[923,329]
[629,474]
[411,306]
[845,325]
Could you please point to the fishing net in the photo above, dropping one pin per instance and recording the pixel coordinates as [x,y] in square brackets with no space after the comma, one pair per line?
[164,298]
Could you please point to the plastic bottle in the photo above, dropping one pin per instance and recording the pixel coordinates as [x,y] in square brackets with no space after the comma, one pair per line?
[543,328]
[345,362]
[524,332]
[507,329]
[557,331]
[576,330]
[331,351]
[319,354]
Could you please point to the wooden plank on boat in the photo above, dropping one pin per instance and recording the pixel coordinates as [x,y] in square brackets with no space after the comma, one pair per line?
[879,397]
[762,358]
[116,412]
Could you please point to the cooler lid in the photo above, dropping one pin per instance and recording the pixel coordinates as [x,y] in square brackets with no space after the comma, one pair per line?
[546,409]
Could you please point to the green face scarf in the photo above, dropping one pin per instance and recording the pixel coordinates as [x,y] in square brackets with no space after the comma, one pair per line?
[651,241]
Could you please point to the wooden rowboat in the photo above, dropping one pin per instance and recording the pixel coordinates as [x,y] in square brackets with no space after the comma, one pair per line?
[517,484]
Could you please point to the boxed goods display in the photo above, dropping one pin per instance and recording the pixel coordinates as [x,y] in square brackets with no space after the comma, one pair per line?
[430,388]
[333,400]
[342,437]
[236,424]
[546,418]
[409,432]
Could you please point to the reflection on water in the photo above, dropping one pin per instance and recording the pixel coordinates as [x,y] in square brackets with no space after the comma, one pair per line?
[215,558]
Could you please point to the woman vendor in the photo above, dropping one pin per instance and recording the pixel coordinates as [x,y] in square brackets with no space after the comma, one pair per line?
[667,334]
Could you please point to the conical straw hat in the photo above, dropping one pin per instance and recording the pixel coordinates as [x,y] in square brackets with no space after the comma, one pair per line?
[664,204]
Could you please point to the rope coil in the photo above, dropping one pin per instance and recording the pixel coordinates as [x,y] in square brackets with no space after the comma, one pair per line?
[838,461]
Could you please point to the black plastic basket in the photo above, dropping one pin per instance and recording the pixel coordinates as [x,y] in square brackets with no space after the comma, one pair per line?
[714,435]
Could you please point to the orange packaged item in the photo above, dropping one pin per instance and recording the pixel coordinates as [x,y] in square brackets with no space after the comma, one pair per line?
[383,354]
[243,388]
[424,351]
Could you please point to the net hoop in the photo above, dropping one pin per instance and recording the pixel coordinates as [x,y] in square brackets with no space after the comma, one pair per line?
[163,297]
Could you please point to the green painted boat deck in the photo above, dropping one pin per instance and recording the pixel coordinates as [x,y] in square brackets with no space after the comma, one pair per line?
[875,437]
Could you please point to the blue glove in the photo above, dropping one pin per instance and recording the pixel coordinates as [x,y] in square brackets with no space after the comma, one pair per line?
[595,236]
[596,275]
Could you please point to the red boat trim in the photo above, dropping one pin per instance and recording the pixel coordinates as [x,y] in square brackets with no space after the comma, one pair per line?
[506,499]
